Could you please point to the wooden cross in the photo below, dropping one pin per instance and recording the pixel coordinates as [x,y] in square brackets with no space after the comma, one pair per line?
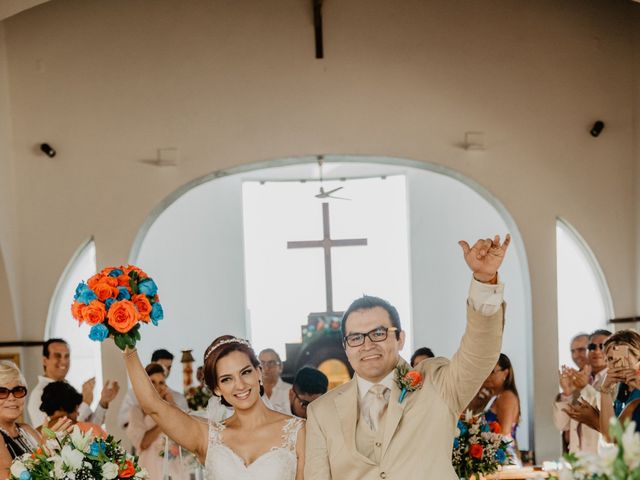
[317,26]
[326,244]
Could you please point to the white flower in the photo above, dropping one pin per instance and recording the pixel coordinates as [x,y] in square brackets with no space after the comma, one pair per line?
[142,474]
[79,440]
[72,458]
[17,468]
[109,471]
[631,446]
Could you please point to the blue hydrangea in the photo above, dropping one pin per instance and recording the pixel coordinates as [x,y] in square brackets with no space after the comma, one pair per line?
[124,293]
[148,287]
[500,456]
[462,427]
[456,442]
[99,333]
[25,475]
[116,272]
[84,294]
[157,313]
[95,449]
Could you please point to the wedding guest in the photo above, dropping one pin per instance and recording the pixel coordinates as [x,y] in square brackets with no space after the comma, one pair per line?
[164,358]
[276,390]
[61,400]
[421,354]
[505,404]
[147,437]
[579,350]
[16,438]
[368,428]
[56,363]
[575,410]
[620,391]
[256,442]
[309,384]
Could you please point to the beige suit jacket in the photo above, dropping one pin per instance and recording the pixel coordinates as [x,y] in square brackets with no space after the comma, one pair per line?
[418,433]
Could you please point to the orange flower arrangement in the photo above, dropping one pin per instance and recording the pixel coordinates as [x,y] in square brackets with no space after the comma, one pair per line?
[115,301]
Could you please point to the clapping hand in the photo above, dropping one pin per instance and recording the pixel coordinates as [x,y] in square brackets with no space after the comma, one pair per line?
[109,392]
[87,390]
[584,412]
[485,257]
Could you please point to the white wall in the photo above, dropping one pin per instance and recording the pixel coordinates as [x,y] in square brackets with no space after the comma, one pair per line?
[231,83]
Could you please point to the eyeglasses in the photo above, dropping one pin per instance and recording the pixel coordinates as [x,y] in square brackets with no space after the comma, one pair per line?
[593,346]
[303,403]
[18,392]
[376,335]
[271,363]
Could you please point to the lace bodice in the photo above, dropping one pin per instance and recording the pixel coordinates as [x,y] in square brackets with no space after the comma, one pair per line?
[279,463]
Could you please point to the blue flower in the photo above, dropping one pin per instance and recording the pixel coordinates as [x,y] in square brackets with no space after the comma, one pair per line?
[485,427]
[501,455]
[148,287]
[116,272]
[95,449]
[124,294]
[108,302]
[456,442]
[84,294]
[156,314]
[99,333]
[462,427]
[25,475]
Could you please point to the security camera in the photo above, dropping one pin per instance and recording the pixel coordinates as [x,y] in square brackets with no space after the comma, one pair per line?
[48,150]
[597,128]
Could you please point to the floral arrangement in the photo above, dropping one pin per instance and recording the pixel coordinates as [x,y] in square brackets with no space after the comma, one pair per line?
[198,397]
[77,456]
[114,302]
[407,380]
[479,447]
[619,460]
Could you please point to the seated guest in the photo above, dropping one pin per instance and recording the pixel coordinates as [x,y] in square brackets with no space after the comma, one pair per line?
[309,384]
[15,438]
[421,354]
[574,410]
[146,436]
[275,389]
[620,391]
[60,400]
[504,407]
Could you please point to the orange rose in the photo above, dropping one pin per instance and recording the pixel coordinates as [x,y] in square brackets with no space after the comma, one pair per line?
[495,427]
[123,280]
[76,310]
[414,378]
[133,268]
[127,470]
[94,313]
[143,306]
[104,290]
[123,316]
[92,282]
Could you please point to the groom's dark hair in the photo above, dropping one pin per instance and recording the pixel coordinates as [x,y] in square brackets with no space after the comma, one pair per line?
[367,302]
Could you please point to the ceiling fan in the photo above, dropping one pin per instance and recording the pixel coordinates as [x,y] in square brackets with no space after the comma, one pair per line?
[327,193]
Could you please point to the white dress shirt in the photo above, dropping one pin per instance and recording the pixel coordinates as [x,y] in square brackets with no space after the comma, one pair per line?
[130,400]
[279,398]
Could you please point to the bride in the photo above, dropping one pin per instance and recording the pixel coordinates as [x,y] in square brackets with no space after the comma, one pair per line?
[255,442]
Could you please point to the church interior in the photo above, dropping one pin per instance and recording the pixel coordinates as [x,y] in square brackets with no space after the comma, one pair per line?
[140,131]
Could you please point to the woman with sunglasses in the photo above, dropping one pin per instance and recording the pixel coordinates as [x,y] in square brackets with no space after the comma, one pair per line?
[15,439]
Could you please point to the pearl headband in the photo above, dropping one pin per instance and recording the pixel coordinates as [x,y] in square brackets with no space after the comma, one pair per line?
[224,342]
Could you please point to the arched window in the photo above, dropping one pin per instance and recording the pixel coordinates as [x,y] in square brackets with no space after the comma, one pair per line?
[584,301]
[86,361]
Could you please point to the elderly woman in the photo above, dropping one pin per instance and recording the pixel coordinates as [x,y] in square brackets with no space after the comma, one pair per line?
[15,438]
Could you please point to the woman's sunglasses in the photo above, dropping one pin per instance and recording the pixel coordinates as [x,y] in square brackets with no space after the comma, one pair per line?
[18,392]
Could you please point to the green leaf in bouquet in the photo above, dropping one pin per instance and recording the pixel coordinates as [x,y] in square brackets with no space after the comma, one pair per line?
[134,284]
[136,334]
[120,341]
[48,432]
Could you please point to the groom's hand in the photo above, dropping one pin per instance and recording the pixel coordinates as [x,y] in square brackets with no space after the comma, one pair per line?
[485,257]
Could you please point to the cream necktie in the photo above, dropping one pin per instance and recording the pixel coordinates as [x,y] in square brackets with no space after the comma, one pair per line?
[375,403]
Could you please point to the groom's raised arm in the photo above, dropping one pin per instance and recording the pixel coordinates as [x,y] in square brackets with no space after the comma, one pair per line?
[460,379]
[316,466]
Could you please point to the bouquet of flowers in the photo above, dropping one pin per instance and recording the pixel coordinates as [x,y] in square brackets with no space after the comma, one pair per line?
[617,461]
[478,448]
[198,397]
[77,456]
[114,302]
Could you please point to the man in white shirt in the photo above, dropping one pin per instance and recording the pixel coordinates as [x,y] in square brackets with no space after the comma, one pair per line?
[582,384]
[164,358]
[56,363]
[275,389]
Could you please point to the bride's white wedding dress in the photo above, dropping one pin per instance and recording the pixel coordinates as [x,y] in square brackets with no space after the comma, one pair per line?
[279,463]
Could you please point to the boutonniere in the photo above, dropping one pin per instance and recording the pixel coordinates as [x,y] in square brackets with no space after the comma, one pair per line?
[407,380]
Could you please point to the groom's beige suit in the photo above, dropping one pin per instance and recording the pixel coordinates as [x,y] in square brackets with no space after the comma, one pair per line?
[416,436]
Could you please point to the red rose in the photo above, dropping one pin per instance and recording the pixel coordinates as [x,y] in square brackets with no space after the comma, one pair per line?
[127,470]
[495,427]
[475,450]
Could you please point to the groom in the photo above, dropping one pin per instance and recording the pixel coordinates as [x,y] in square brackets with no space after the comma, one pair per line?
[360,430]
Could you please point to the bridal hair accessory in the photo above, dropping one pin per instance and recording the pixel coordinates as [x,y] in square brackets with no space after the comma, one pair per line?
[224,342]
[114,302]
[407,381]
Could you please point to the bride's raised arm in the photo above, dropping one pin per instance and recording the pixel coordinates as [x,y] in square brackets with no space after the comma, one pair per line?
[186,431]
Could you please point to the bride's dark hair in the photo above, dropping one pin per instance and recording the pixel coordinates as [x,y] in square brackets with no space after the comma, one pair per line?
[219,348]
